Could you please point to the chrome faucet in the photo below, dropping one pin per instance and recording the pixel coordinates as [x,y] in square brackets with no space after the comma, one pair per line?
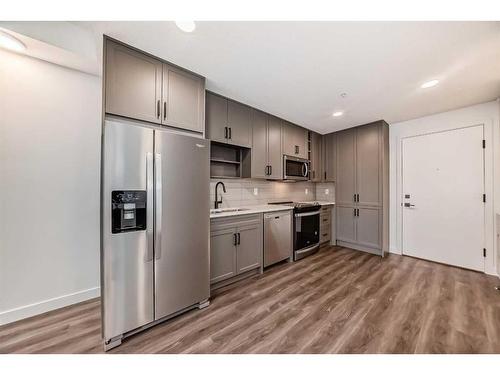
[217,202]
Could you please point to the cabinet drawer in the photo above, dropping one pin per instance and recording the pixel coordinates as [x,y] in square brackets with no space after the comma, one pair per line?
[324,236]
[324,220]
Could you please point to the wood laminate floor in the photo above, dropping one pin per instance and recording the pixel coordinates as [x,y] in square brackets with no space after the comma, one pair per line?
[336,301]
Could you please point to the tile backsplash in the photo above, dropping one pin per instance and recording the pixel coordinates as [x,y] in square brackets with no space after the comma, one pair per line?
[325,191]
[247,192]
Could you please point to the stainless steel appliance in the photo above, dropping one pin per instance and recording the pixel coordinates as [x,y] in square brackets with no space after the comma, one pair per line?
[277,237]
[154,227]
[305,228]
[296,169]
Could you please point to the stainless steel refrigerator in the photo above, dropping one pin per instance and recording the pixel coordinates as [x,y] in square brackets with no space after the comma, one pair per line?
[154,227]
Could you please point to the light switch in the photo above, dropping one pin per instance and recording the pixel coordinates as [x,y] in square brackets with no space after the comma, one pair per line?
[255,191]
[327,191]
[307,191]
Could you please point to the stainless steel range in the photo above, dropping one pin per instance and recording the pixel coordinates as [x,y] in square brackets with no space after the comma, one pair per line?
[305,228]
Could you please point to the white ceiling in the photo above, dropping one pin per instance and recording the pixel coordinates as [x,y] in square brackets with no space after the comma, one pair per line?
[297,70]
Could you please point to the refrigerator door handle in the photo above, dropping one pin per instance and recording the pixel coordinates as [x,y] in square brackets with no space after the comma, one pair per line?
[149,207]
[158,206]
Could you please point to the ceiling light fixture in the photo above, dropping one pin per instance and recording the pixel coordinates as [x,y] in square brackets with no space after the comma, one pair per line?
[338,113]
[10,42]
[429,84]
[186,26]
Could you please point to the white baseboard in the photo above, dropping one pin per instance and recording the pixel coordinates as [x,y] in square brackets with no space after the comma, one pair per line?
[394,250]
[27,311]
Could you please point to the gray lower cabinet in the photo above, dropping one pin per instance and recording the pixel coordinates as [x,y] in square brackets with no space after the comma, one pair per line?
[228,121]
[266,146]
[236,245]
[295,140]
[362,187]
[143,87]
[325,224]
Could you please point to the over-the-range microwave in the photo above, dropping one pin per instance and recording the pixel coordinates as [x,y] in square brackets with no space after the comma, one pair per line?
[295,169]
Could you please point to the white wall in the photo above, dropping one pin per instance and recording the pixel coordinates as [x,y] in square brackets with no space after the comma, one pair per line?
[49,186]
[486,113]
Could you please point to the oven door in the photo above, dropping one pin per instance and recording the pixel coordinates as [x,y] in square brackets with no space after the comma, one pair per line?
[306,236]
[295,168]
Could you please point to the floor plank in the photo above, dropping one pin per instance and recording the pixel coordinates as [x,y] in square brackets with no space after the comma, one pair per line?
[336,301]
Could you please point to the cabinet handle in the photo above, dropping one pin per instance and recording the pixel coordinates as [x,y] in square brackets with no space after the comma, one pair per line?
[239,238]
[270,170]
[225,132]
[325,176]
[230,133]
[164,110]
[325,219]
[158,114]
[235,241]
[357,197]
[354,211]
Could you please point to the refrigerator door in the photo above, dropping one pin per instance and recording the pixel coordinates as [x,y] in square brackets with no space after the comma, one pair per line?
[182,175]
[127,256]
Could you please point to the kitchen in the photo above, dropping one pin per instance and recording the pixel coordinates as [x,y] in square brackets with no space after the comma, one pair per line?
[227,227]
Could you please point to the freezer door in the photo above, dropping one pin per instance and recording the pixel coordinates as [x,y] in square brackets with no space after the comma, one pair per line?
[182,175]
[127,256]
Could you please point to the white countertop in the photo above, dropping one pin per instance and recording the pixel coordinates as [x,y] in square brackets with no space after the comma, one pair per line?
[248,210]
[321,203]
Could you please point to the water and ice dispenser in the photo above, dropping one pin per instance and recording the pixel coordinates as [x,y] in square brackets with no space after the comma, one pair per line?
[128,210]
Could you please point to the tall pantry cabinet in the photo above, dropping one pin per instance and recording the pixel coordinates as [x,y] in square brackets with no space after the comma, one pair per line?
[362,187]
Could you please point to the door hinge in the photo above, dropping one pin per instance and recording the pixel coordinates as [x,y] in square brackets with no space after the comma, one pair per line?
[484,253]
[484,143]
[484,198]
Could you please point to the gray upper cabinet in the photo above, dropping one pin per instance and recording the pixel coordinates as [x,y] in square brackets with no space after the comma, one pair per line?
[346,167]
[266,146]
[260,165]
[294,140]
[368,165]
[142,87]
[330,157]
[239,121]
[316,173]
[183,97]
[133,84]
[216,118]
[228,121]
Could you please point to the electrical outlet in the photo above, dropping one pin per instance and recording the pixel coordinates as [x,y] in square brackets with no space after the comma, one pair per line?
[307,191]
[327,191]
[255,191]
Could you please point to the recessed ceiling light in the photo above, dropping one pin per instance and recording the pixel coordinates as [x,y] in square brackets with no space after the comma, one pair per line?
[186,26]
[338,113]
[9,42]
[428,84]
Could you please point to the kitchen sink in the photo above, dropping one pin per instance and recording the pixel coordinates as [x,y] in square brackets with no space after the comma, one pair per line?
[223,210]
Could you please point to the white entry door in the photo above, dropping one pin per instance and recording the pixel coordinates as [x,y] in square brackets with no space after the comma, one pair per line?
[443,187]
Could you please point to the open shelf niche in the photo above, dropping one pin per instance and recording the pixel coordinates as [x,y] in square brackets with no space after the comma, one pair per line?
[228,161]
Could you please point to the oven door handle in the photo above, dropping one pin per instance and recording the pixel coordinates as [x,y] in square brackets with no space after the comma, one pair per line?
[307,214]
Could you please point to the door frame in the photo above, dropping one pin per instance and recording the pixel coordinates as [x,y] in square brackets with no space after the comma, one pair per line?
[489,222]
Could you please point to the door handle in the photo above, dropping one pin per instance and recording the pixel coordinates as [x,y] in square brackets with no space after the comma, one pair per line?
[158,206]
[409,205]
[149,208]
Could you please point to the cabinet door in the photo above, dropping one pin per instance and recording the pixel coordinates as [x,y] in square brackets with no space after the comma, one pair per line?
[133,83]
[294,140]
[274,154]
[222,254]
[259,145]
[368,165]
[183,97]
[249,249]
[316,157]
[368,227]
[239,120]
[330,157]
[216,117]
[345,181]
[346,224]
